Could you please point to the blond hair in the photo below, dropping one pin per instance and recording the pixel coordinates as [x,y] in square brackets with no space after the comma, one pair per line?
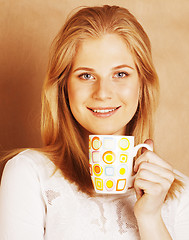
[61,133]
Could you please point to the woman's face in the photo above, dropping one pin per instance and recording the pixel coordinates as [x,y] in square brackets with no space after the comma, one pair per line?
[103,86]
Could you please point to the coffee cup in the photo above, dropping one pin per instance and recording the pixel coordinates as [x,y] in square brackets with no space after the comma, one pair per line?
[111,162]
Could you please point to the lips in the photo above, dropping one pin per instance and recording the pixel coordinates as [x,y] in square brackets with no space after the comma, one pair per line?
[103,112]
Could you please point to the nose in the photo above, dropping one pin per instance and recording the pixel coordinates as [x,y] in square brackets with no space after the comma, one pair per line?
[103,90]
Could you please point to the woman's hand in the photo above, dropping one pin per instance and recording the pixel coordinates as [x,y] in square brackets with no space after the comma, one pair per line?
[153,180]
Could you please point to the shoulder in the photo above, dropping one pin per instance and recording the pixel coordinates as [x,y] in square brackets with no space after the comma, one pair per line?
[22,203]
[185,180]
[181,200]
[28,163]
[175,211]
[179,209]
[30,157]
[33,168]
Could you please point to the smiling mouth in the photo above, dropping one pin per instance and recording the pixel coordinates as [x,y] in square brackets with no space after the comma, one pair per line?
[103,112]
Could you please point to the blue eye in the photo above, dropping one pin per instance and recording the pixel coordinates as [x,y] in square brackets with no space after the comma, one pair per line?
[121,75]
[86,76]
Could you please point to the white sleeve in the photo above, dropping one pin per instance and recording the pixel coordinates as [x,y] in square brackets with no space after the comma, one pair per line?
[22,209]
[182,216]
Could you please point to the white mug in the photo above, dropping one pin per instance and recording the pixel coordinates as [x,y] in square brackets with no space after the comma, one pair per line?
[111,162]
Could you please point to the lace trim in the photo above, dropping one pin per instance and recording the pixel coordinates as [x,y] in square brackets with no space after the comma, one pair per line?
[51,195]
[125,217]
[126,220]
[102,220]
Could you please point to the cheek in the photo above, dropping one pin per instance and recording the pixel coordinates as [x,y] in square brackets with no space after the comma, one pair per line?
[76,95]
[130,95]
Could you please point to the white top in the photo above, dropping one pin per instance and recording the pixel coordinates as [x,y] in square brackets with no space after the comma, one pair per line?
[36,205]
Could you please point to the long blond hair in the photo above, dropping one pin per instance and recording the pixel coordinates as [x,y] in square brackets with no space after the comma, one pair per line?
[62,137]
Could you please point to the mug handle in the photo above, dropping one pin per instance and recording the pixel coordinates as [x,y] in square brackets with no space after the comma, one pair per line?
[137,147]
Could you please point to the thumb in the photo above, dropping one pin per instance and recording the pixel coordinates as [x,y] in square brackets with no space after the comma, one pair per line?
[150,143]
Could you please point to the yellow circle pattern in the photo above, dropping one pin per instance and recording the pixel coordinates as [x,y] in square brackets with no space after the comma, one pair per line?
[108,157]
[124,144]
[109,184]
[96,143]
[97,170]
[122,171]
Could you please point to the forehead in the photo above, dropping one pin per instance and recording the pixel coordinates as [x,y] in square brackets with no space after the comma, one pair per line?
[109,49]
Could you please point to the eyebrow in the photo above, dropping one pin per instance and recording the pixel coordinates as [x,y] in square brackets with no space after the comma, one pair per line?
[122,66]
[114,68]
[84,68]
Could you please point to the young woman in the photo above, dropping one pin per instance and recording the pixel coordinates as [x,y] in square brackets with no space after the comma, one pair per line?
[100,80]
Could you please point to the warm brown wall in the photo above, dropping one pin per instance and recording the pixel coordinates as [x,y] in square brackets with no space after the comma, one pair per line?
[27,29]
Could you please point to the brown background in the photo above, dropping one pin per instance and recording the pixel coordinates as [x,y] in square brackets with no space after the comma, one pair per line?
[28,27]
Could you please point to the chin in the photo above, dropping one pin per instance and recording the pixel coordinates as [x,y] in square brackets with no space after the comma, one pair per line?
[108,132]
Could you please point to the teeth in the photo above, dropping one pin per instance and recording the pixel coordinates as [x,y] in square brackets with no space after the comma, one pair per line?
[103,111]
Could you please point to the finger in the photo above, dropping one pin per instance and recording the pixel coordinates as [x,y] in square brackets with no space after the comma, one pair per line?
[157,170]
[147,175]
[151,157]
[131,181]
[152,189]
[139,192]
[150,143]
